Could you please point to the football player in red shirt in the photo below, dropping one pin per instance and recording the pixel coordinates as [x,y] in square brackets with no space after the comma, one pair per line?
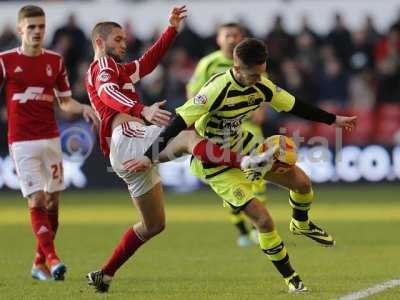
[125,136]
[33,78]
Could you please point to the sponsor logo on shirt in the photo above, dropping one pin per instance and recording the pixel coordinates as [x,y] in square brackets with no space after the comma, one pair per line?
[232,125]
[32,93]
[104,76]
[200,99]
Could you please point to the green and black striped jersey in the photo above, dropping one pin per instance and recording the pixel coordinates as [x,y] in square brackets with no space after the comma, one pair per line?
[218,109]
[207,67]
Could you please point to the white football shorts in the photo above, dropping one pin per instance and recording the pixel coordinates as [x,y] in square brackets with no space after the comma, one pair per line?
[39,165]
[128,141]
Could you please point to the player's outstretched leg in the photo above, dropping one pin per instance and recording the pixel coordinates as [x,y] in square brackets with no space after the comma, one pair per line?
[272,245]
[151,208]
[44,235]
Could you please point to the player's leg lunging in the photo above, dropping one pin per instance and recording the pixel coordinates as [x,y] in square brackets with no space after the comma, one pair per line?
[272,245]
[151,208]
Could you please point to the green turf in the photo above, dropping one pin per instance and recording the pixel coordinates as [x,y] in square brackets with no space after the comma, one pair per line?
[196,257]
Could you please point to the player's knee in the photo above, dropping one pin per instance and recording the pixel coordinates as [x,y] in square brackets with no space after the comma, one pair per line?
[264,224]
[155,228]
[52,202]
[304,185]
[37,199]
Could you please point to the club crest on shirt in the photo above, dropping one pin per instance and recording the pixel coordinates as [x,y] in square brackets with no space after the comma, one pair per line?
[49,70]
[104,76]
[238,193]
[200,99]
[252,99]
[277,89]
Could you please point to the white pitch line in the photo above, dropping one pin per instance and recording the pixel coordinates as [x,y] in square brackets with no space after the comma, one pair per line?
[372,290]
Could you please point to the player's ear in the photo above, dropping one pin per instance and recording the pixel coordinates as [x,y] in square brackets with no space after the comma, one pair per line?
[99,42]
[19,27]
[218,39]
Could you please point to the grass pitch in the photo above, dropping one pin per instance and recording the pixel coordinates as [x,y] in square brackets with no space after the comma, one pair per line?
[197,258]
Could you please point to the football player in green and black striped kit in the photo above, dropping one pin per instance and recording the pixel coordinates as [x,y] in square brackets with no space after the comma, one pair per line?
[228,36]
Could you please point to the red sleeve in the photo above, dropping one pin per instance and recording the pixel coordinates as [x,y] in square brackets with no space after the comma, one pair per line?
[2,73]
[105,81]
[62,87]
[152,57]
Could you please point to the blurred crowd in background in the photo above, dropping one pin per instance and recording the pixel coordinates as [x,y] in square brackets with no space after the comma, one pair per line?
[346,70]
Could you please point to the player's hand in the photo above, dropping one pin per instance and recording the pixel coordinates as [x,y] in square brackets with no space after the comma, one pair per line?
[178,14]
[137,165]
[90,116]
[156,115]
[348,123]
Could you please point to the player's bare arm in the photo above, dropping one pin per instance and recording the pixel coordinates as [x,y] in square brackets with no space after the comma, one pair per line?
[70,105]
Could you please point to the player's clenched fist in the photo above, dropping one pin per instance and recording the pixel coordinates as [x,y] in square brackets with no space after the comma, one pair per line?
[177,15]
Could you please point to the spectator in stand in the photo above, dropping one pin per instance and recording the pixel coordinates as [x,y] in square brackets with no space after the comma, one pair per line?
[153,86]
[372,34]
[180,68]
[280,44]
[295,81]
[188,39]
[362,82]
[332,79]
[362,89]
[340,39]
[71,42]
[306,28]
[8,39]
[361,56]
[307,52]
[134,44]
[387,59]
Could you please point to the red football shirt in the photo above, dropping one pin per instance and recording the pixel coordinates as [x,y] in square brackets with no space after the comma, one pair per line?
[110,85]
[30,85]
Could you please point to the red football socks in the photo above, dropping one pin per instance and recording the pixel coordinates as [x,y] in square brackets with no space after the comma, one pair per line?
[128,245]
[40,257]
[53,220]
[211,153]
[43,232]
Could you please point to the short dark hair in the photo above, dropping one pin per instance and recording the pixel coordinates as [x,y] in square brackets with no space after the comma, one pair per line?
[230,25]
[251,52]
[103,29]
[30,11]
